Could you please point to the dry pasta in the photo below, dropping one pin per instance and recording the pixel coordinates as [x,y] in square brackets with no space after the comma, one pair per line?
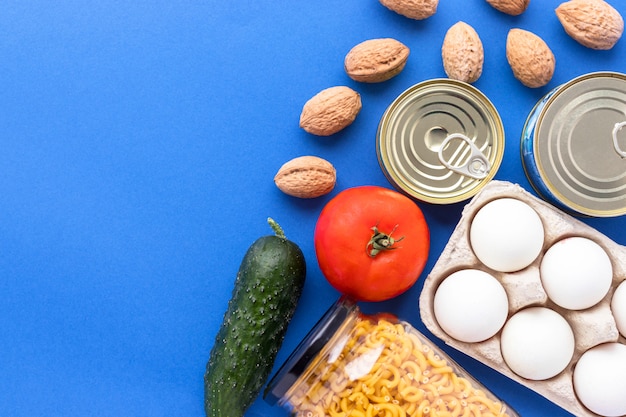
[385,370]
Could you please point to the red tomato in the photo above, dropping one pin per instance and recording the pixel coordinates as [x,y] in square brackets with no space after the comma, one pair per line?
[371,243]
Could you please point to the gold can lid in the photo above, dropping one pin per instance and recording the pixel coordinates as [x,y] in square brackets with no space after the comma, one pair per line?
[580,144]
[440,141]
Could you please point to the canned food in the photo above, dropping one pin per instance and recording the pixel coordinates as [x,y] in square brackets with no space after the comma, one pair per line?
[352,364]
[440,141]
[574,145]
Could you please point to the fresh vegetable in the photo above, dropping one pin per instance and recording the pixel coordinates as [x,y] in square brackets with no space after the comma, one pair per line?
[267,289]
[371,243]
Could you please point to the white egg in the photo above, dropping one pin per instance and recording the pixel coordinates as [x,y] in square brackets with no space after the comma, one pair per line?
[599,379]
[576,273]
[618,307]
[537,343]
[470,305]
[506,235]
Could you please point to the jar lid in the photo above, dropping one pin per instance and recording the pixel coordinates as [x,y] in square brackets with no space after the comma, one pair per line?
[308,349]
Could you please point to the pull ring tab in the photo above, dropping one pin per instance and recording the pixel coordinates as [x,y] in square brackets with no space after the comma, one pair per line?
[477,165]
[618,149]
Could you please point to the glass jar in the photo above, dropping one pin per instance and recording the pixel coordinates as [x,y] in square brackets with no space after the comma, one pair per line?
[352,364]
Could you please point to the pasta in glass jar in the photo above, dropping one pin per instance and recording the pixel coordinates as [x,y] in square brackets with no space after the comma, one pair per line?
[352,364]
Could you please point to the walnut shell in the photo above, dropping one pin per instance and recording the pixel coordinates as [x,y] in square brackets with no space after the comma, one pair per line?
[376,60]
[462,53]
[511,7]
[530,58]
[413,9]
[592,23]
[330,111]
[306,177]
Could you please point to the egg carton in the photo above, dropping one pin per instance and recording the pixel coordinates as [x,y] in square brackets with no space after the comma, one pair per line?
[591,327]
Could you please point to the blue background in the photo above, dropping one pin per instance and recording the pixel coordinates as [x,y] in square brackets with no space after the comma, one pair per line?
[138,145]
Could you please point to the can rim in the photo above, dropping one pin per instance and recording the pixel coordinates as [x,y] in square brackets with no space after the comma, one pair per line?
[562,200]
[497,131]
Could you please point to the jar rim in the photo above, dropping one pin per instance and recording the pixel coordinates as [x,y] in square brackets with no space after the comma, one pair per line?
[307,350]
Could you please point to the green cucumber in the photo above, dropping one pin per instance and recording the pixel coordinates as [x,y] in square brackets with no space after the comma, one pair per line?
[267,289]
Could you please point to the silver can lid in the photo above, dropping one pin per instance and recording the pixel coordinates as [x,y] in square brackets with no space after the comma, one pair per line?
[580,144]
[440,141]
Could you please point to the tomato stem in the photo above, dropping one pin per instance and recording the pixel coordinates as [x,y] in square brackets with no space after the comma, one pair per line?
[381,241]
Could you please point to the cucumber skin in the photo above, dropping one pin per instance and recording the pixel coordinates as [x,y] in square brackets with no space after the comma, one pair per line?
[267,289]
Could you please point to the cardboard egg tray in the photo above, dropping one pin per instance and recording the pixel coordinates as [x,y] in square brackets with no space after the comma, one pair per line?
[591,327]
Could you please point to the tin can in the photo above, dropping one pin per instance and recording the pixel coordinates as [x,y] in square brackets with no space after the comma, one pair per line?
[440,141]
[573,146]
[352,364]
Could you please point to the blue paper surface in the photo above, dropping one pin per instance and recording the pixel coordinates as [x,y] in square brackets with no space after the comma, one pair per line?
[138,145]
